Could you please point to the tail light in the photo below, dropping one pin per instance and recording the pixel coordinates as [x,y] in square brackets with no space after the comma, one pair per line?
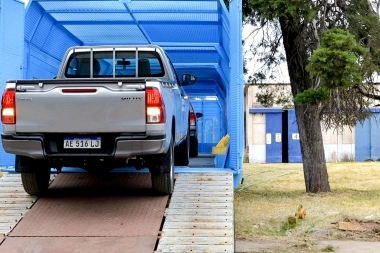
[8,107]
[193,119]
[155,112]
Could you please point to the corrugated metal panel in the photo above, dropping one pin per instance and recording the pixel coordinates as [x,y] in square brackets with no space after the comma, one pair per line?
[82,6]
[11,52]
[294,145]
[210,125]
[33,16]
[363,141]
[92,34]
[367,138]
[274,137]
[189,33]
[40,35]
[115,16]
[235,92]
[193,17]
[375,136]
[41,65]
[172,6]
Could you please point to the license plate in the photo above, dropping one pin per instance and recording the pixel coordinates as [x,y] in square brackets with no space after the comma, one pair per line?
[86,142]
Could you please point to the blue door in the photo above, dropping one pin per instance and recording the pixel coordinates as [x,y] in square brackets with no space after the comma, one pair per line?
[367,138]
[294,146]
[274,136]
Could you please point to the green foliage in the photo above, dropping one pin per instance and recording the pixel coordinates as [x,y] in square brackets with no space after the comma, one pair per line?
[272,9]
[339,60]
[328,248]
[311,96]
[287,226]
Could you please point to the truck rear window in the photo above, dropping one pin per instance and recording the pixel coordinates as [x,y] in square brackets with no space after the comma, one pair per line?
[105,65]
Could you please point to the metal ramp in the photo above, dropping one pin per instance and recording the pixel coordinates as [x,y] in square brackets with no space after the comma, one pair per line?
[200,216]
[15,202]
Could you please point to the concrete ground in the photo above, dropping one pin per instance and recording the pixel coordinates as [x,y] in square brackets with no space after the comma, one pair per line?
[338,246]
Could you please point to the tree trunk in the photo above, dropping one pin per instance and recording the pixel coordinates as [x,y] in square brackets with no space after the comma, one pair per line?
[313,155]
[295,39]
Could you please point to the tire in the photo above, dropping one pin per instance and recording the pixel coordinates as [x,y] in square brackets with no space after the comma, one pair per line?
[163,183]
[193,147]
[182,151]
[37,180]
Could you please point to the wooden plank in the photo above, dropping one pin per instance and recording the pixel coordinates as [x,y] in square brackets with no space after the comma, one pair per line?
[202,240]
[193,182]
[198,218]
[197,175]
[197,232]
[195,248]
[21,199]
[10,179]
[201,205]
[5,228]
[15,206]
[10,219]
[199,212]
[202,188]
[203,199]
[201,194]
[197,226]
[200,215]
[12,190]
[10,184]
[13,212]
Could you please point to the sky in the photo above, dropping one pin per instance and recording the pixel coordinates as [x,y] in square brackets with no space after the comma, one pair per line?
[254,66]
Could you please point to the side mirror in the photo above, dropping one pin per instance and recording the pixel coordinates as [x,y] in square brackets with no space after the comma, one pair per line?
[188,79]
[199,115]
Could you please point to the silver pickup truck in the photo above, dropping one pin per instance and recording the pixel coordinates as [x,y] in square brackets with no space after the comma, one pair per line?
[109,107]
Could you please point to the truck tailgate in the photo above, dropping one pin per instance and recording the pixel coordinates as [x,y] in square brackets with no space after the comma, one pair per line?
[80,107]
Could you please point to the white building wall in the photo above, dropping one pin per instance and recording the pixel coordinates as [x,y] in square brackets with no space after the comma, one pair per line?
[338,145]
[255,133]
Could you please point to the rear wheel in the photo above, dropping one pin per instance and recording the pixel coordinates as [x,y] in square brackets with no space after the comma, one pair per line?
[193,147]
[163,183]
[182,151]
[36,180]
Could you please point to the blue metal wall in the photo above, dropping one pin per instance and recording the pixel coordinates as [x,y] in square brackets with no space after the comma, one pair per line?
[294,145]
[274,136]
[44,47]
[367,138]
[210,127]
[11,52]
[235,101]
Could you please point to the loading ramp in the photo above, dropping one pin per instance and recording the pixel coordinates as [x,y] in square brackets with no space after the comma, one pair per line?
[117,212]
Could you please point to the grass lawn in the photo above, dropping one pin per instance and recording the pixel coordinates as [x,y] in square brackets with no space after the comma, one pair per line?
[272,192]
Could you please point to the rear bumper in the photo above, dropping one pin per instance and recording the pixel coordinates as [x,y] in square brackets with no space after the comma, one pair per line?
[39,147]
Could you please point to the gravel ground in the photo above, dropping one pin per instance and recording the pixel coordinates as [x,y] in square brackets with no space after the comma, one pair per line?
[338,247]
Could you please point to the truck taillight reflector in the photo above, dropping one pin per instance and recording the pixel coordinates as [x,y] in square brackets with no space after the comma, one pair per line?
[8,108]
[192,119]
[155,112]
